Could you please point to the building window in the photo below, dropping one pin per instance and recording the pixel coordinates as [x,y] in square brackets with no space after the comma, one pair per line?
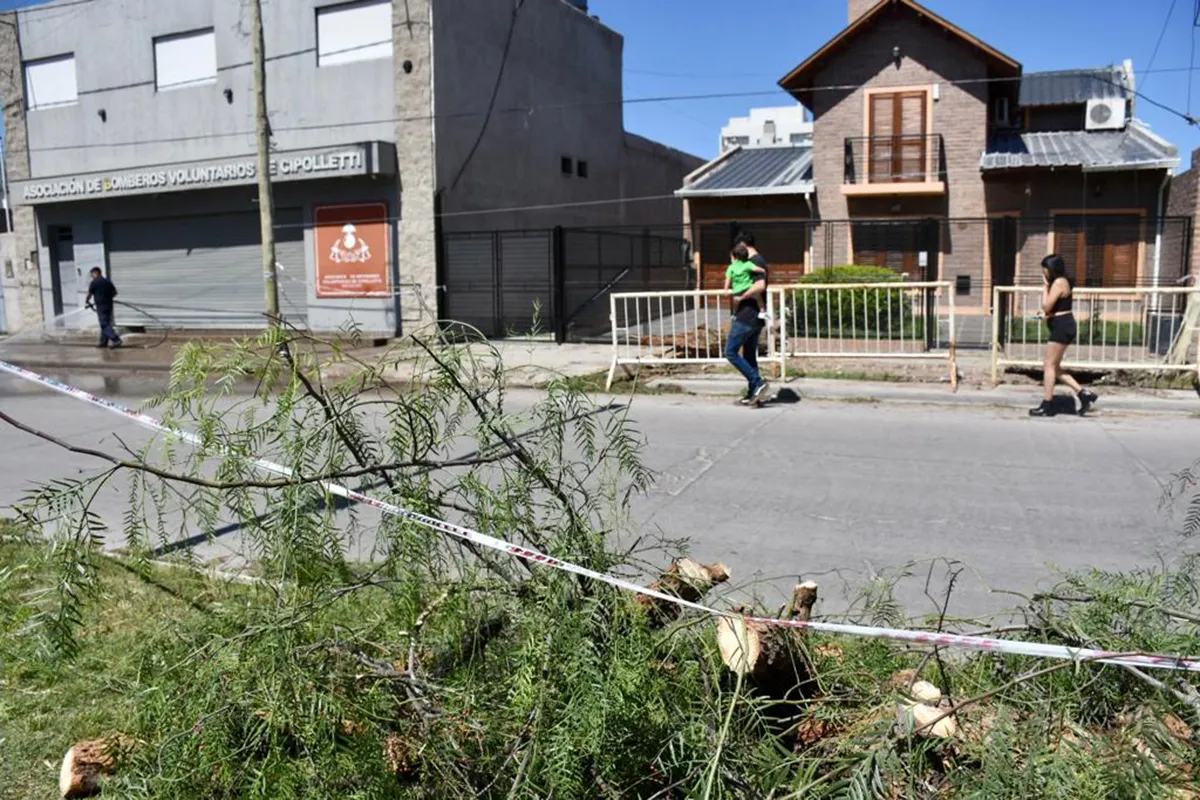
[1100,250]
[185,59]
[581,169]
[567,165]
[800,138]
[50,82]
[899,149]
[736,141]
[894,245]
[351,32]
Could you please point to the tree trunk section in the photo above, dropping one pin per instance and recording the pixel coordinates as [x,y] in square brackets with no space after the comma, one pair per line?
[769,656]
[85,763]
[686,579]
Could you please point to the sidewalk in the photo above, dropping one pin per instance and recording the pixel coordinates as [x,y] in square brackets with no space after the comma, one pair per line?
[1003,396]
[531,364]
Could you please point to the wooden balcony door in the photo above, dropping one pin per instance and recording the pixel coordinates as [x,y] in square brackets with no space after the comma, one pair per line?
[897,148]
[1100,251]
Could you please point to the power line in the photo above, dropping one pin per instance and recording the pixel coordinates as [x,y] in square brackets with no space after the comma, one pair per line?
[1161,34]
[1192,59]
[508,40]
[236,65]
[531,109]
[502,210]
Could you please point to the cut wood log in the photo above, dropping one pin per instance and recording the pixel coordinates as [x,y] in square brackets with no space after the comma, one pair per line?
[804,597]
[926,692]
[686,579]
[769,655]
[915,717]
[85,762]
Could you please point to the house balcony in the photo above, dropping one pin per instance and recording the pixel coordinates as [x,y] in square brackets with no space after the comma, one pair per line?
[895,165]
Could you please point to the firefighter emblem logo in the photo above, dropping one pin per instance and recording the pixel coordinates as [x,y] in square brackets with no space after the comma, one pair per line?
[349,248]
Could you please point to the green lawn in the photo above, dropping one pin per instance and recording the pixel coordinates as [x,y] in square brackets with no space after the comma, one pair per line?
[1099,333]
[47,702]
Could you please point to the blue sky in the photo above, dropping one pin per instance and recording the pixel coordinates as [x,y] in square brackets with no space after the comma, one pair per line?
[685,47]
[690,47]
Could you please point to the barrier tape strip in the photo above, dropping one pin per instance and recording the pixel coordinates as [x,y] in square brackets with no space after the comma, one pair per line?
[982,643]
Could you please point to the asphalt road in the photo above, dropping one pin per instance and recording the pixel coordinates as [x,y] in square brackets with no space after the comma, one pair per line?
[837,492]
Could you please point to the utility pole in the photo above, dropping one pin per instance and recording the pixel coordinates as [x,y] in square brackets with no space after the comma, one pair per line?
[266,208]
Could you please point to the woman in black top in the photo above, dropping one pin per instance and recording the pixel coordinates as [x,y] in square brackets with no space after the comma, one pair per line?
[1057,303]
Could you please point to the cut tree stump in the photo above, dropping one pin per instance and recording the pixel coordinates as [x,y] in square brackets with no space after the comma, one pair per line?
[85,762]
[686,579]
[769,655]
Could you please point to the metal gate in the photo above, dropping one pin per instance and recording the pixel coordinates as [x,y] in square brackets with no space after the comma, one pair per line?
[1002,242]
[499,282]
[552,282]
[204,272]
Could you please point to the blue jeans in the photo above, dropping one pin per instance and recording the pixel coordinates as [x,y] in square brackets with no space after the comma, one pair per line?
[107,332]
[742,350]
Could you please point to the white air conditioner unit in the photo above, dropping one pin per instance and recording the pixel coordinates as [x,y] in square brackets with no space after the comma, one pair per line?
[1106,115]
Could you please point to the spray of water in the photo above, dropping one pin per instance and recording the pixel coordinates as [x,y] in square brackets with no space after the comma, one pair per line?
[40,334]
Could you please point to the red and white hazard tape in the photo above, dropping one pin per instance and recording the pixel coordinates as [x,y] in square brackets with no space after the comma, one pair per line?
[1035,649]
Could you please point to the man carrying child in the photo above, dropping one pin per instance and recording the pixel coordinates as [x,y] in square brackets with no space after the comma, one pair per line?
[746,280]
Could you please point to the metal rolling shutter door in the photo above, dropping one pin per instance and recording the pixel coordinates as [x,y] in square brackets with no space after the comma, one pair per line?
[205,272]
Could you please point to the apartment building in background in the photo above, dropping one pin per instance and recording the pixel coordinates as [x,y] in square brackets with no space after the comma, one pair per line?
[767,127]
[130,146]
[946,160]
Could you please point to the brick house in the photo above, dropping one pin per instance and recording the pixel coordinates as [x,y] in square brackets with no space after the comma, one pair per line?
[934,154]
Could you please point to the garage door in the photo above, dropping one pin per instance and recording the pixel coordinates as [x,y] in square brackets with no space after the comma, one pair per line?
[205,272]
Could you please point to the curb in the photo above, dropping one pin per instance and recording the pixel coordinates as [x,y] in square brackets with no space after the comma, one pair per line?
[1176,402]
[1179,402]
[60,367]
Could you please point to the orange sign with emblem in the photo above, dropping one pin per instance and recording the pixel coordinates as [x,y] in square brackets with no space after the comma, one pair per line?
[352,250]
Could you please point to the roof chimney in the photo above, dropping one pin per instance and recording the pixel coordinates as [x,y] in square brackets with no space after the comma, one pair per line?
[859,7]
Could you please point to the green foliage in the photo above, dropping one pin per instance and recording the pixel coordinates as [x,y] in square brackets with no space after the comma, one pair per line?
[374,658]
[855,312]
[1095,332]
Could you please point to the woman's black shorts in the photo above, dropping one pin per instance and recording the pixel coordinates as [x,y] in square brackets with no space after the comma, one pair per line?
[1063,330]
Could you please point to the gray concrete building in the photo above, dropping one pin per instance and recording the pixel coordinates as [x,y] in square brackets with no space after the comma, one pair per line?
[130,146]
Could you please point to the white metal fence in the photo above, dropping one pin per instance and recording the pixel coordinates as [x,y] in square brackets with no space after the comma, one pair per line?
[685,327]
[868,321]
[1129,329]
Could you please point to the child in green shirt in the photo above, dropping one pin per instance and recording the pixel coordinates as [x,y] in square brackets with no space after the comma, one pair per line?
[742,273]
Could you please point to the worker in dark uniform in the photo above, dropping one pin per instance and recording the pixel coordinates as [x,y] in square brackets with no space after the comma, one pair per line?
[100,297]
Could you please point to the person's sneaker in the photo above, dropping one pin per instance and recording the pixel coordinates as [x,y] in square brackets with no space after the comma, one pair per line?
[1087,399]
[1046,409]
[756,396]
[746,397]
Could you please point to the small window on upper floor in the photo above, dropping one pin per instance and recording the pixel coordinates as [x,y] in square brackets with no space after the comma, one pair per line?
[50,82]
[581,169]
[185,59]
[359,31]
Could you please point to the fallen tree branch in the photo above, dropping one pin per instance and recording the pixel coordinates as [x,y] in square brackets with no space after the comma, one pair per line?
[1170,612]
[1191,698]
[297,480]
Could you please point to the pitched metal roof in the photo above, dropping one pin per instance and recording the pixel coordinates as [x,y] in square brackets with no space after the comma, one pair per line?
[754,171]
[1072,86]
[1136,147]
